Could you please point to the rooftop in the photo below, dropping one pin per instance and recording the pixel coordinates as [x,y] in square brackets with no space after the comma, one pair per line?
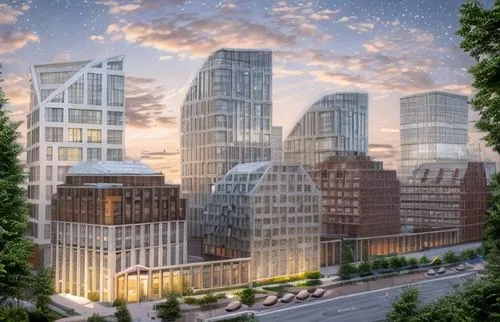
[112,168]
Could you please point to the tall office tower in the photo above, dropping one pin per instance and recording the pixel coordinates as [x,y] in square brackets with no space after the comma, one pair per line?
[226,120]
[115,217]
[433,129]
[268,211]
[277,143]
[335,125]
[446,195]
[360,198]
[76,114]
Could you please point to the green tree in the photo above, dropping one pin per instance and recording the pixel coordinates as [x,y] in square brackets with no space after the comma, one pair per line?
[171,310]
[346,259]
[450,257]
[122,313]
[15,248]
[412,261]
[96,318]
[480,38]
[405,309]
[43,288]
[424,260]
[248,296]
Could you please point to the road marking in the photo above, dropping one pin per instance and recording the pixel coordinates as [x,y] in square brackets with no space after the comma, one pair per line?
[348,309]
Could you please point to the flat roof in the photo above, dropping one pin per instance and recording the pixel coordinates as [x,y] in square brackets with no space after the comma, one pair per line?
[112,168]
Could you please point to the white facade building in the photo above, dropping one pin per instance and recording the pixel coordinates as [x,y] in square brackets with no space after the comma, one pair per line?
[76,114]
[270,212]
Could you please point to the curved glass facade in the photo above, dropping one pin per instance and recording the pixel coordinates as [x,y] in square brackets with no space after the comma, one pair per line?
[335,125]
[226,120]
[433,129]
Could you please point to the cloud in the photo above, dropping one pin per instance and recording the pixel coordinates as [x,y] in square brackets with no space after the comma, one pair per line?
[159,155]
[227,7]
[346,18]
[123,7]
[62,57]
[17,91]
[382,151]
[361,27]
[201,36]
[166,57]
[11,41]
[281,71]
[384,130]
[145,104]
[99,38]
[8,15]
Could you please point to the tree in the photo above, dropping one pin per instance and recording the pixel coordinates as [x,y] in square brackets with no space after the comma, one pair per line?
[450,257]
[405,307]
[43,288]
[248,296]
[122,313]
[493,264]
[171,310]
[96,318]
[480,38]
[346,268]
[423,260]
[412,261]
[15,248]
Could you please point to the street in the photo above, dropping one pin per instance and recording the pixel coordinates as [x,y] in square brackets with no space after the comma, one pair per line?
[367,307]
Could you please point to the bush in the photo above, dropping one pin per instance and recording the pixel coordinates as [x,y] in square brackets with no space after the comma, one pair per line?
[119,302]
[468,254]
[424,260]
[13,314]
[346,270]
[170,310]
[313,282]
[364,267]
[242,318]
[248,296]
[376,264]
[42,302]
[412,261]
[96,318]
[122,314]
[93,296]
[436,261]
[39,316]
[278,280]
[313,275]
[450,257]
[384,263]
[403,261]
[191,300]
[394,262]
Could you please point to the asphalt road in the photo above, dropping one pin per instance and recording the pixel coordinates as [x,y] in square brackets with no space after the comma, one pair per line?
[364,307]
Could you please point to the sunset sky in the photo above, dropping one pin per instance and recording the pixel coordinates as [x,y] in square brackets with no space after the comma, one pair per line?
[386,48]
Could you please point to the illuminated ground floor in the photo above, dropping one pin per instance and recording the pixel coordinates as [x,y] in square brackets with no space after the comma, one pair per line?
[368,247]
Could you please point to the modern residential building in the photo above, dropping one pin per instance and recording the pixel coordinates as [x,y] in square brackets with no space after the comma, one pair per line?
[277,143]
[433,129]
[446,195]
[109,217]
[360,198]
[335,125]
[268,211]
[226,119]
[76,114]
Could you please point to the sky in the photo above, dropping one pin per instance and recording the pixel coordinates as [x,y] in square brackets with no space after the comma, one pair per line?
[388,48]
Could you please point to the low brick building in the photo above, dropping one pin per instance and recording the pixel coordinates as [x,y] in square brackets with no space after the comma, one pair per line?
[360,198]
[446,195]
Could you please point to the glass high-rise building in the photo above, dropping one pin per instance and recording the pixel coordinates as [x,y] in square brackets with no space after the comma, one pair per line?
[226,120]
[434,128]
[335,125]
[76,114]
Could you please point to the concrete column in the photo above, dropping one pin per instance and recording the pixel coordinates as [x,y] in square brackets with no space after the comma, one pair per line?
[138,280]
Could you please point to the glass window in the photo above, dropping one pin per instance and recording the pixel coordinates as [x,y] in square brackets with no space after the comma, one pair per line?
[94,89]
[114,136]
[74,135]
[94,154]
[94,136]
[116,92]
[48,173]
[115,155]
[53,134]
[75,92]
[115,118]
[49,153]
[85,116]
[54,114]
[55,77]
[69,154]
[115,65]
